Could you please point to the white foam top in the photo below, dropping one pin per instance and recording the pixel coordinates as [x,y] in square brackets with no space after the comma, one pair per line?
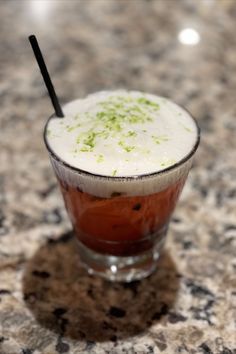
[122,133]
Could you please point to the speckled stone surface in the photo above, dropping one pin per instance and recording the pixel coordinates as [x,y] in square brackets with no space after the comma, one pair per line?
[48,304]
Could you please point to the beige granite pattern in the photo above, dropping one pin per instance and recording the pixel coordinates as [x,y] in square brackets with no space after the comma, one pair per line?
[48,304]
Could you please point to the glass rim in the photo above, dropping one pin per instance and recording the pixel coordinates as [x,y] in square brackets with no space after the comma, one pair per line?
[128,177]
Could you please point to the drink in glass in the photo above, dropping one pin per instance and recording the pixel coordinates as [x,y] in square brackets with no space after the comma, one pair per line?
[121,159]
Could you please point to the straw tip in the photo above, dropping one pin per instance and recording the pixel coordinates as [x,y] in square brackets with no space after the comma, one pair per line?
[31,36]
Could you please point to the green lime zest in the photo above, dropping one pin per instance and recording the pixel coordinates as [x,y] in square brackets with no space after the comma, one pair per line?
[159,139]
[186,128]
[85,149]
[127,148]
[111,117]
[103,134]
[131,133]
[100,158]
[89,140]
[168,162]
[147,102]
[118,109]
[71,128]
[114,172]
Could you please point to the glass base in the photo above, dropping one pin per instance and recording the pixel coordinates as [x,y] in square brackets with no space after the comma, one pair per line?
[117,268]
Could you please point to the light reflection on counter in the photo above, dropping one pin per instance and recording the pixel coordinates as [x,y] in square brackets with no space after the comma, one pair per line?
[41,9]
[189,36]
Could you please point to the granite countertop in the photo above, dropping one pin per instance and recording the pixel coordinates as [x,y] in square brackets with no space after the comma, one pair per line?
[48,304]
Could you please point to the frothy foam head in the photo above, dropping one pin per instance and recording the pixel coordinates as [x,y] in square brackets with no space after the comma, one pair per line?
[122,133]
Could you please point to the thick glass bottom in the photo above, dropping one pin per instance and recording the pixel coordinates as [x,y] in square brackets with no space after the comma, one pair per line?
[118,268]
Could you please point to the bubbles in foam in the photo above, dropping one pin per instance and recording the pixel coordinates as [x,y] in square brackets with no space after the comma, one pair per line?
[122,133]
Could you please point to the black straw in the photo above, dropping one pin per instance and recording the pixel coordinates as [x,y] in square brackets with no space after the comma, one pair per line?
[45,74]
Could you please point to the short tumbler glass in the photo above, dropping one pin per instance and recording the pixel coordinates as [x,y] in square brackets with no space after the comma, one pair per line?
[120,223]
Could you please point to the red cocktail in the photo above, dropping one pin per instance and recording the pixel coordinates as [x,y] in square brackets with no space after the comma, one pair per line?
[121,159]
[120,225]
